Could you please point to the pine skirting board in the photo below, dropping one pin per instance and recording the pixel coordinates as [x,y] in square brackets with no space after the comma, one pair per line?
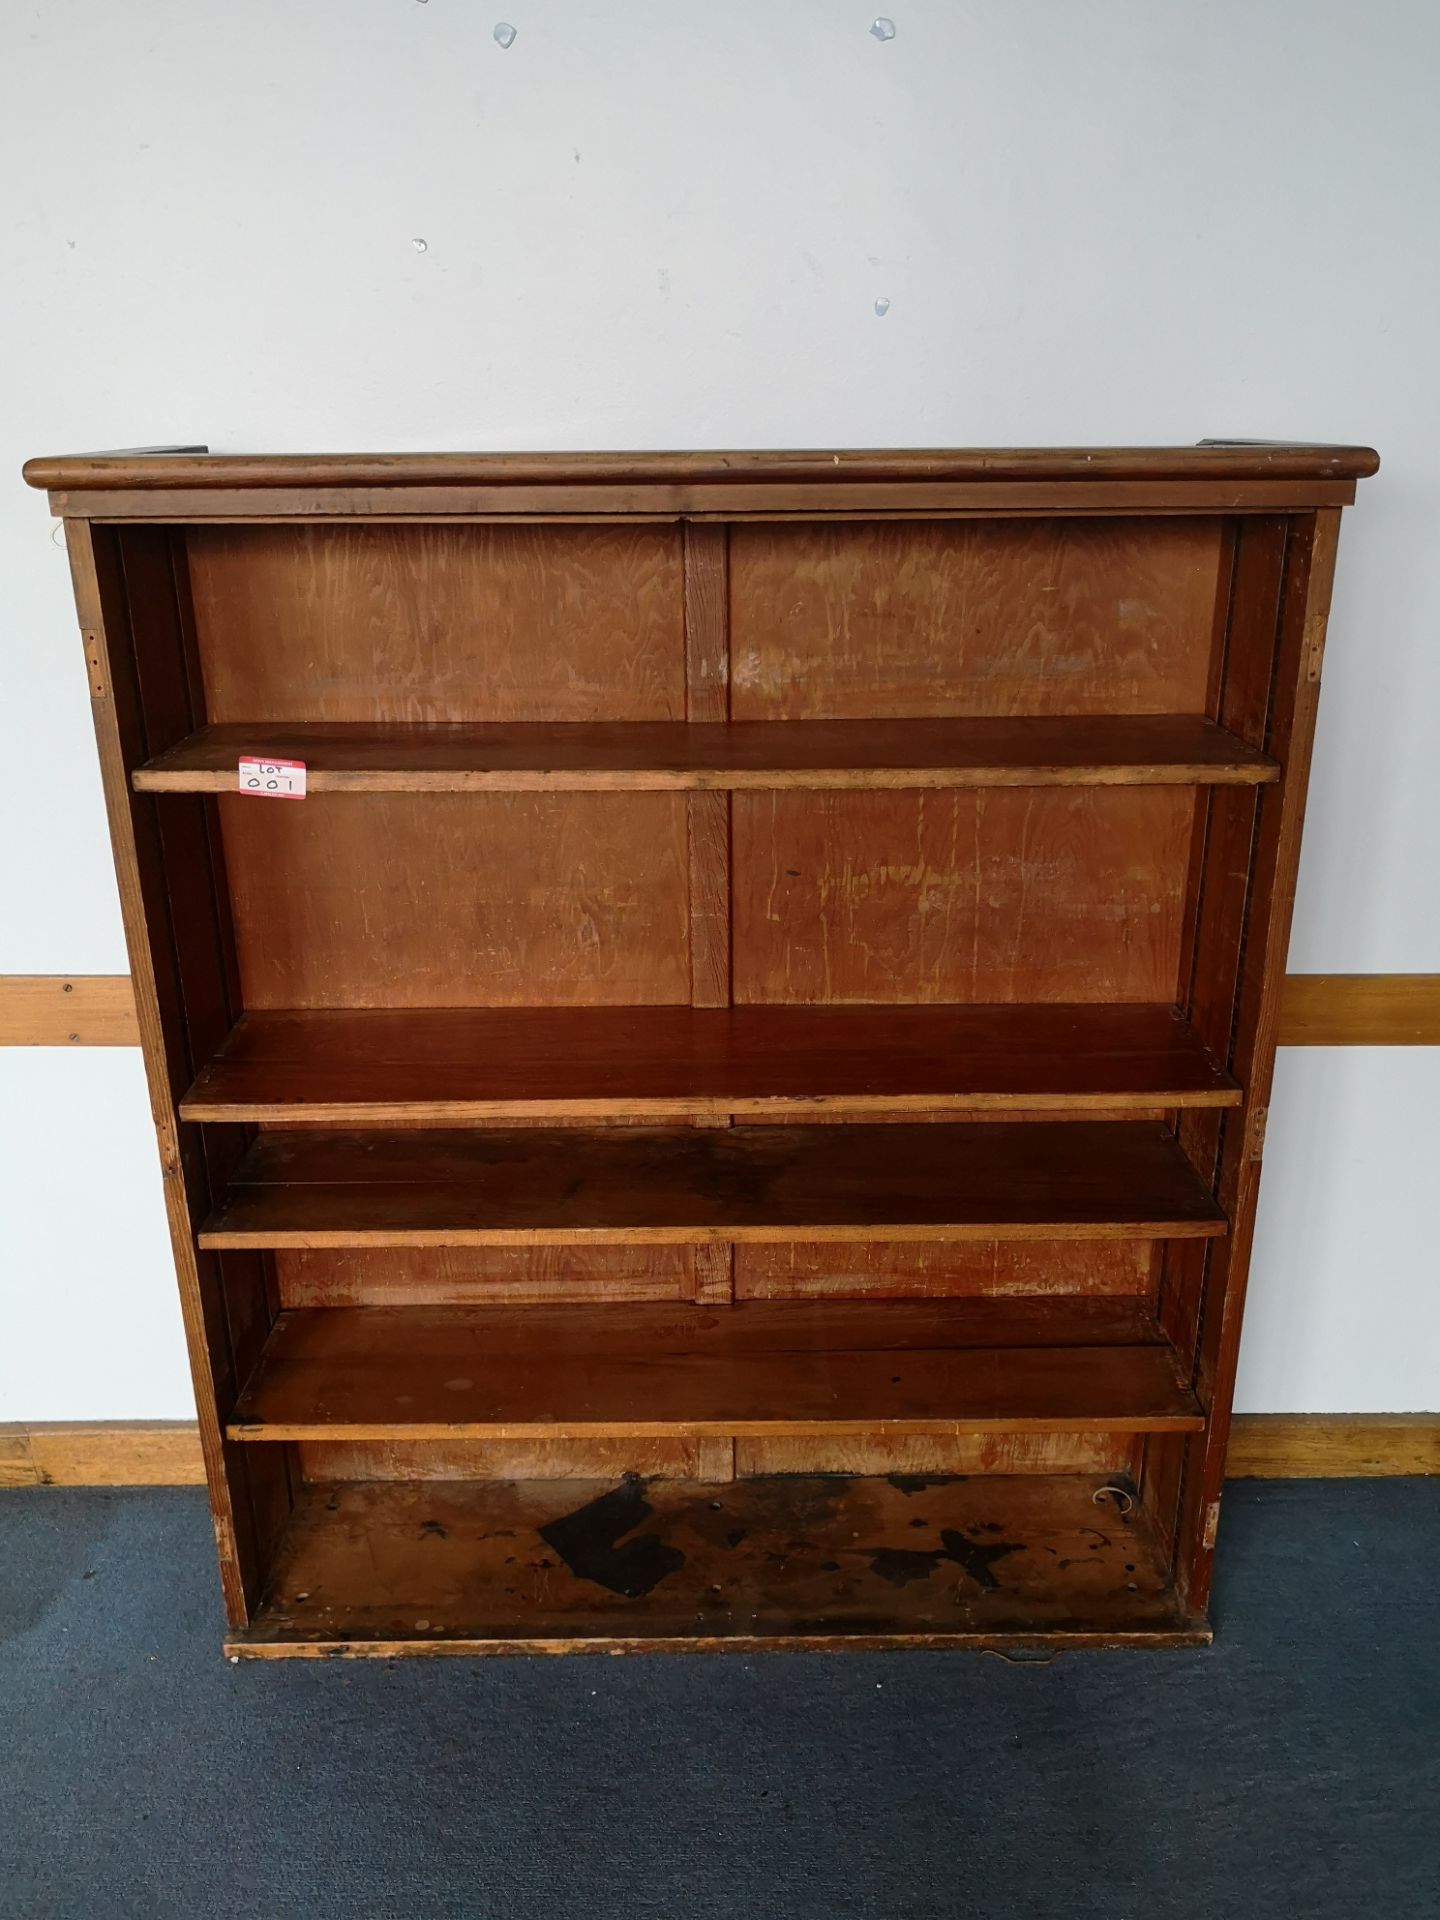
[1320,1010]
[1263,1446]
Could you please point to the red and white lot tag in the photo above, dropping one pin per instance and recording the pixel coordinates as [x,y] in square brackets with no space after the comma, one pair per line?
[273,779]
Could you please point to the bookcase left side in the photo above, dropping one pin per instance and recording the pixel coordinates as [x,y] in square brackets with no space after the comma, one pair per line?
[132,600]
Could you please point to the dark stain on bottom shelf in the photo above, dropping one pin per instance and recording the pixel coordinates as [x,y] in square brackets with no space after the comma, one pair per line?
[918,1482]
[976,1559]
[588,1541]
[900,1565]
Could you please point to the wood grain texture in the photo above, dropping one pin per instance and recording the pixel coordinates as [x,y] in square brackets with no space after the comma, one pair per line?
[794,1562]
[379,900]
[17,1466]
[921,1455]
[63,1010]
[1025,895]
[1310,1446]
[1360,1010]
[440,623]
[1233,460]
[1001,617]
[490,1459]
[716,755]
[708,829]
[106,1453]
[908,1270]
[531,1062]
[707,707]
[477,1276]
[761,1368]
[624,1186]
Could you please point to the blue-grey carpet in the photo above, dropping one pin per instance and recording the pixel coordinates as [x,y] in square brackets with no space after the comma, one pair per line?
[1292,1771]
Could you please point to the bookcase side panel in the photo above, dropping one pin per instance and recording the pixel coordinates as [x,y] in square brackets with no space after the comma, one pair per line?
[1284,724]
[129,595]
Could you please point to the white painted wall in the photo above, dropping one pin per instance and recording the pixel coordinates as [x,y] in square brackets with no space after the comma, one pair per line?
[665,223]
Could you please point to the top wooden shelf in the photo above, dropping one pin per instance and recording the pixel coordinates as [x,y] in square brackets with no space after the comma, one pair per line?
[676,756]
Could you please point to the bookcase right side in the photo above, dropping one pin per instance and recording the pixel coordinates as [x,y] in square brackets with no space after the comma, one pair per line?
[1265,689]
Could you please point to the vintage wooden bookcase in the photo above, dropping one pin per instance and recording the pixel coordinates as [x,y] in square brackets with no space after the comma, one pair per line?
[729,1114]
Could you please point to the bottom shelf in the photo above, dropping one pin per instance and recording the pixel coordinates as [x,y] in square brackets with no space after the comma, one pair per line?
[565,1566]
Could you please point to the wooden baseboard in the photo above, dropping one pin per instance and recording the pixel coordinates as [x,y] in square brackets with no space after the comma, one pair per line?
[106,1453]
[1319,1010]
[1311,1446]
[1263,1446]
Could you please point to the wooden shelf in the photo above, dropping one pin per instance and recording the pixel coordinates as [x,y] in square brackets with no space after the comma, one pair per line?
[759,1369]
[453,1065]
[784,1562]
[700,1186]
[661,756]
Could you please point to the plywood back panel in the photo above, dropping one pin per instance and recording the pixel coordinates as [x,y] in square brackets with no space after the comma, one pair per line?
[436,622]
[499,1459]
[895,618]
[919,1455]
[463,1276]
[922,1455]
[902,1270]
[459,900]
[1021,895]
